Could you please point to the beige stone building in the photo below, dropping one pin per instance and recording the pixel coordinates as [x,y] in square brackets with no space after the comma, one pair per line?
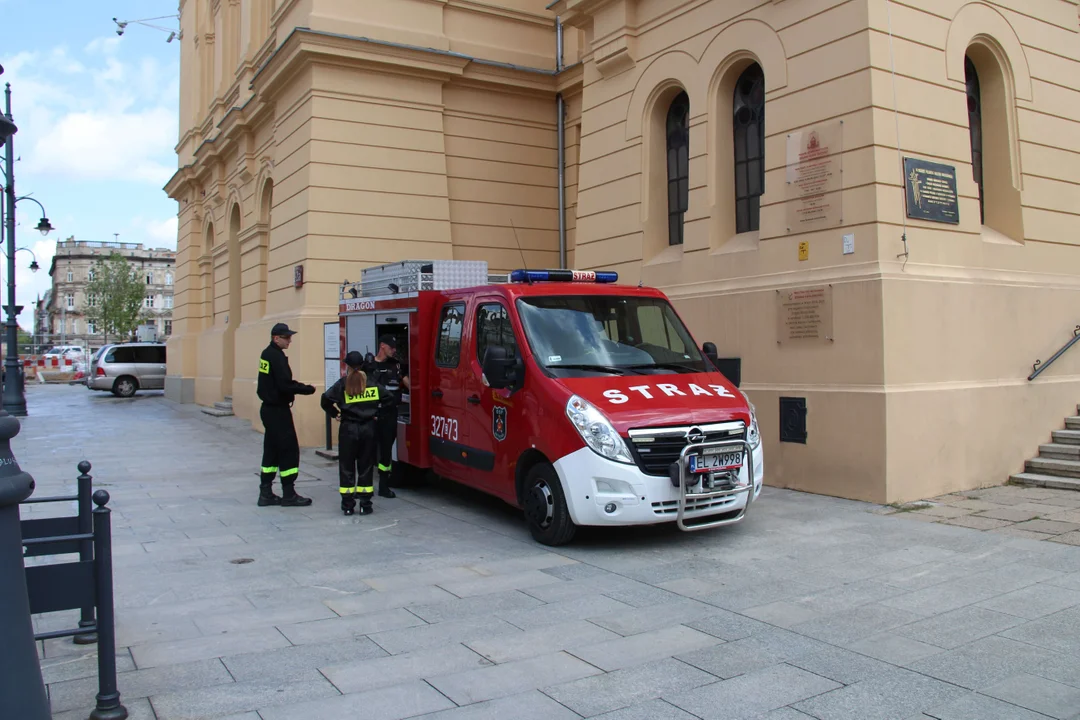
[72,268]
[872,204]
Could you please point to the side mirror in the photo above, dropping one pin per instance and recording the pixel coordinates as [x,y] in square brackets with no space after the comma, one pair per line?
[709,350]
[499,368]
[731,368]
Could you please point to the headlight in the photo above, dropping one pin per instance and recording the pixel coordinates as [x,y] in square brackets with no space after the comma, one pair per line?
[597,431]
[753,434]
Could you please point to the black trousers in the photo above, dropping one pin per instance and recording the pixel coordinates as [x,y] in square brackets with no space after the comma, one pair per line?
[356,451]
[281,448]
[385,435]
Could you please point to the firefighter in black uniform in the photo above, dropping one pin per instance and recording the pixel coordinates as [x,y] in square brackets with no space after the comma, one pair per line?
[385,370]
[356,403]
[281,449]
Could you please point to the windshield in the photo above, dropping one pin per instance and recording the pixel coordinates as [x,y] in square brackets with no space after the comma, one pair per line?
[609,334]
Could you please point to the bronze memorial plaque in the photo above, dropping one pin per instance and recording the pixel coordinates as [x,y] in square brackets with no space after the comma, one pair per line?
[804,313]
[930,189]
[814,181]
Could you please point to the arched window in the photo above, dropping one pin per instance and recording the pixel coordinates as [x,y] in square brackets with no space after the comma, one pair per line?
[748,123]
[974,106]
[678,165]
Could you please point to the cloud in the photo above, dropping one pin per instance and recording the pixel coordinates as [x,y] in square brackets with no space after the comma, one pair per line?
[98,120]
[105,45]
[101,117]
[156,233]
[60,61]
[107,145]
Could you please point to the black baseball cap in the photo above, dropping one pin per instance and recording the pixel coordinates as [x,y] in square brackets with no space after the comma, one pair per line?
[281,330]
[354,359]
[389,340]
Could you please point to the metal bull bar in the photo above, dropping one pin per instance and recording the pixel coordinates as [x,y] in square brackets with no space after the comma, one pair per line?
[703,494]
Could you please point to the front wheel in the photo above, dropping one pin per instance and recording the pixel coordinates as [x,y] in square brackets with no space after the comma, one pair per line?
[125,387]
[545,507]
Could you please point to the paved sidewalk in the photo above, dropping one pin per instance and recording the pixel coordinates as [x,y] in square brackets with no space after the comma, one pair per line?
[441,606]
[1018,511]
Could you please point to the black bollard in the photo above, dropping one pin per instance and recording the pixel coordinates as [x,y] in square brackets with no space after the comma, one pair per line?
[108,697]
[86,547]
[22,691]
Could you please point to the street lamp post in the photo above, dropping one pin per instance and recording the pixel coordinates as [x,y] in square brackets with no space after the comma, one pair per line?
[14,391]
[22,690]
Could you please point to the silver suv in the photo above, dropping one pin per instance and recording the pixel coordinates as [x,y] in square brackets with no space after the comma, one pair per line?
[126,368]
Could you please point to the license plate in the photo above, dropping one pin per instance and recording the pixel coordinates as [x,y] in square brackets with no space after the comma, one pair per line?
[715,461]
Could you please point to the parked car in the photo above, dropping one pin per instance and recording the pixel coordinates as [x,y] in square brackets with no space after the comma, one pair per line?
[63,352]
[125,368]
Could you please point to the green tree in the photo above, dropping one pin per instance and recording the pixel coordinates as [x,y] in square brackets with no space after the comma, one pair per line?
[115,297]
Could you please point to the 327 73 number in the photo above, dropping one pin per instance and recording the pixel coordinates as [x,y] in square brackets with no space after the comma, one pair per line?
[444,427]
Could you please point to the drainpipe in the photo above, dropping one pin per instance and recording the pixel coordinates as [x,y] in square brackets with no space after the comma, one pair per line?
[561,111]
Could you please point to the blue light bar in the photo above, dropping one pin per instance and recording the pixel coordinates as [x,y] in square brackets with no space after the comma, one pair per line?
[531,276]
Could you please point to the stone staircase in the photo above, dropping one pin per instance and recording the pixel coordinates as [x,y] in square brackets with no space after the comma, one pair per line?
[224,409]
[1058,463]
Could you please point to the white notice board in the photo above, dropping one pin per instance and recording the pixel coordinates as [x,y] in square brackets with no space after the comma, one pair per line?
[331,352]
[333,372]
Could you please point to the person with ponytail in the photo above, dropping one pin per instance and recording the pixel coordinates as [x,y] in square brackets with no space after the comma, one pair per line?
[355,402]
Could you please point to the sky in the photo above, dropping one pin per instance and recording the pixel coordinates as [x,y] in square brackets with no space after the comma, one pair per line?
[98,119]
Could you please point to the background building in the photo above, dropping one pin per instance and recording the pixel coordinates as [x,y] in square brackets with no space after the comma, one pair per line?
[70,272]
[873,205]
[41,314]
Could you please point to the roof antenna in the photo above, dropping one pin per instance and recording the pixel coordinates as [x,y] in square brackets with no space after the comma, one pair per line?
[520,251]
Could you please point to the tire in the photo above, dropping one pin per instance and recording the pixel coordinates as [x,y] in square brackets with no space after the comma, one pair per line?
[545,508]
[125,386]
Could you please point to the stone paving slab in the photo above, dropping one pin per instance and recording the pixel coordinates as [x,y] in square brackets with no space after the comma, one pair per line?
[440,605]
[1031,513]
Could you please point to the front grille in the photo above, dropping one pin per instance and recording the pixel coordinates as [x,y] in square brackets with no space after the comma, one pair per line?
[654,449]
[671,507]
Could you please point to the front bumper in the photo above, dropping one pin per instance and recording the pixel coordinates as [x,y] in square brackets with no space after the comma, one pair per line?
[592,484]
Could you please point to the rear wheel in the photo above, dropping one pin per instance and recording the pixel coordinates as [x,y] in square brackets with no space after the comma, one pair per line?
[125,387]
[545,507]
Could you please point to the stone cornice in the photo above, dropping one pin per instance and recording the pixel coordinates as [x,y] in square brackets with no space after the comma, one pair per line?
[304,46]
[504,12]
[179,182]
[614,44]
[571,79]
[253,231]
[577,13]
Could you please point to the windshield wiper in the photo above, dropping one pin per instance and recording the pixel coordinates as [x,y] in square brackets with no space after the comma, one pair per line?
[613,369]
[666,366]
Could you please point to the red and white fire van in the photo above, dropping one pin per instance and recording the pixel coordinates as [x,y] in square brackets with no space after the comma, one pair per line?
[578,400]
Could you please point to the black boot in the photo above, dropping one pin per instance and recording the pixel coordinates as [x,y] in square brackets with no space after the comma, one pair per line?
[348,504]
[266,494]
[384,485]
[289,498]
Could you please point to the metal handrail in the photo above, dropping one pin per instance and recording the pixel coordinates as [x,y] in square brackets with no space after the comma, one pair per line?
[56,539]
[1038,367]
[737,490]
[61,498]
